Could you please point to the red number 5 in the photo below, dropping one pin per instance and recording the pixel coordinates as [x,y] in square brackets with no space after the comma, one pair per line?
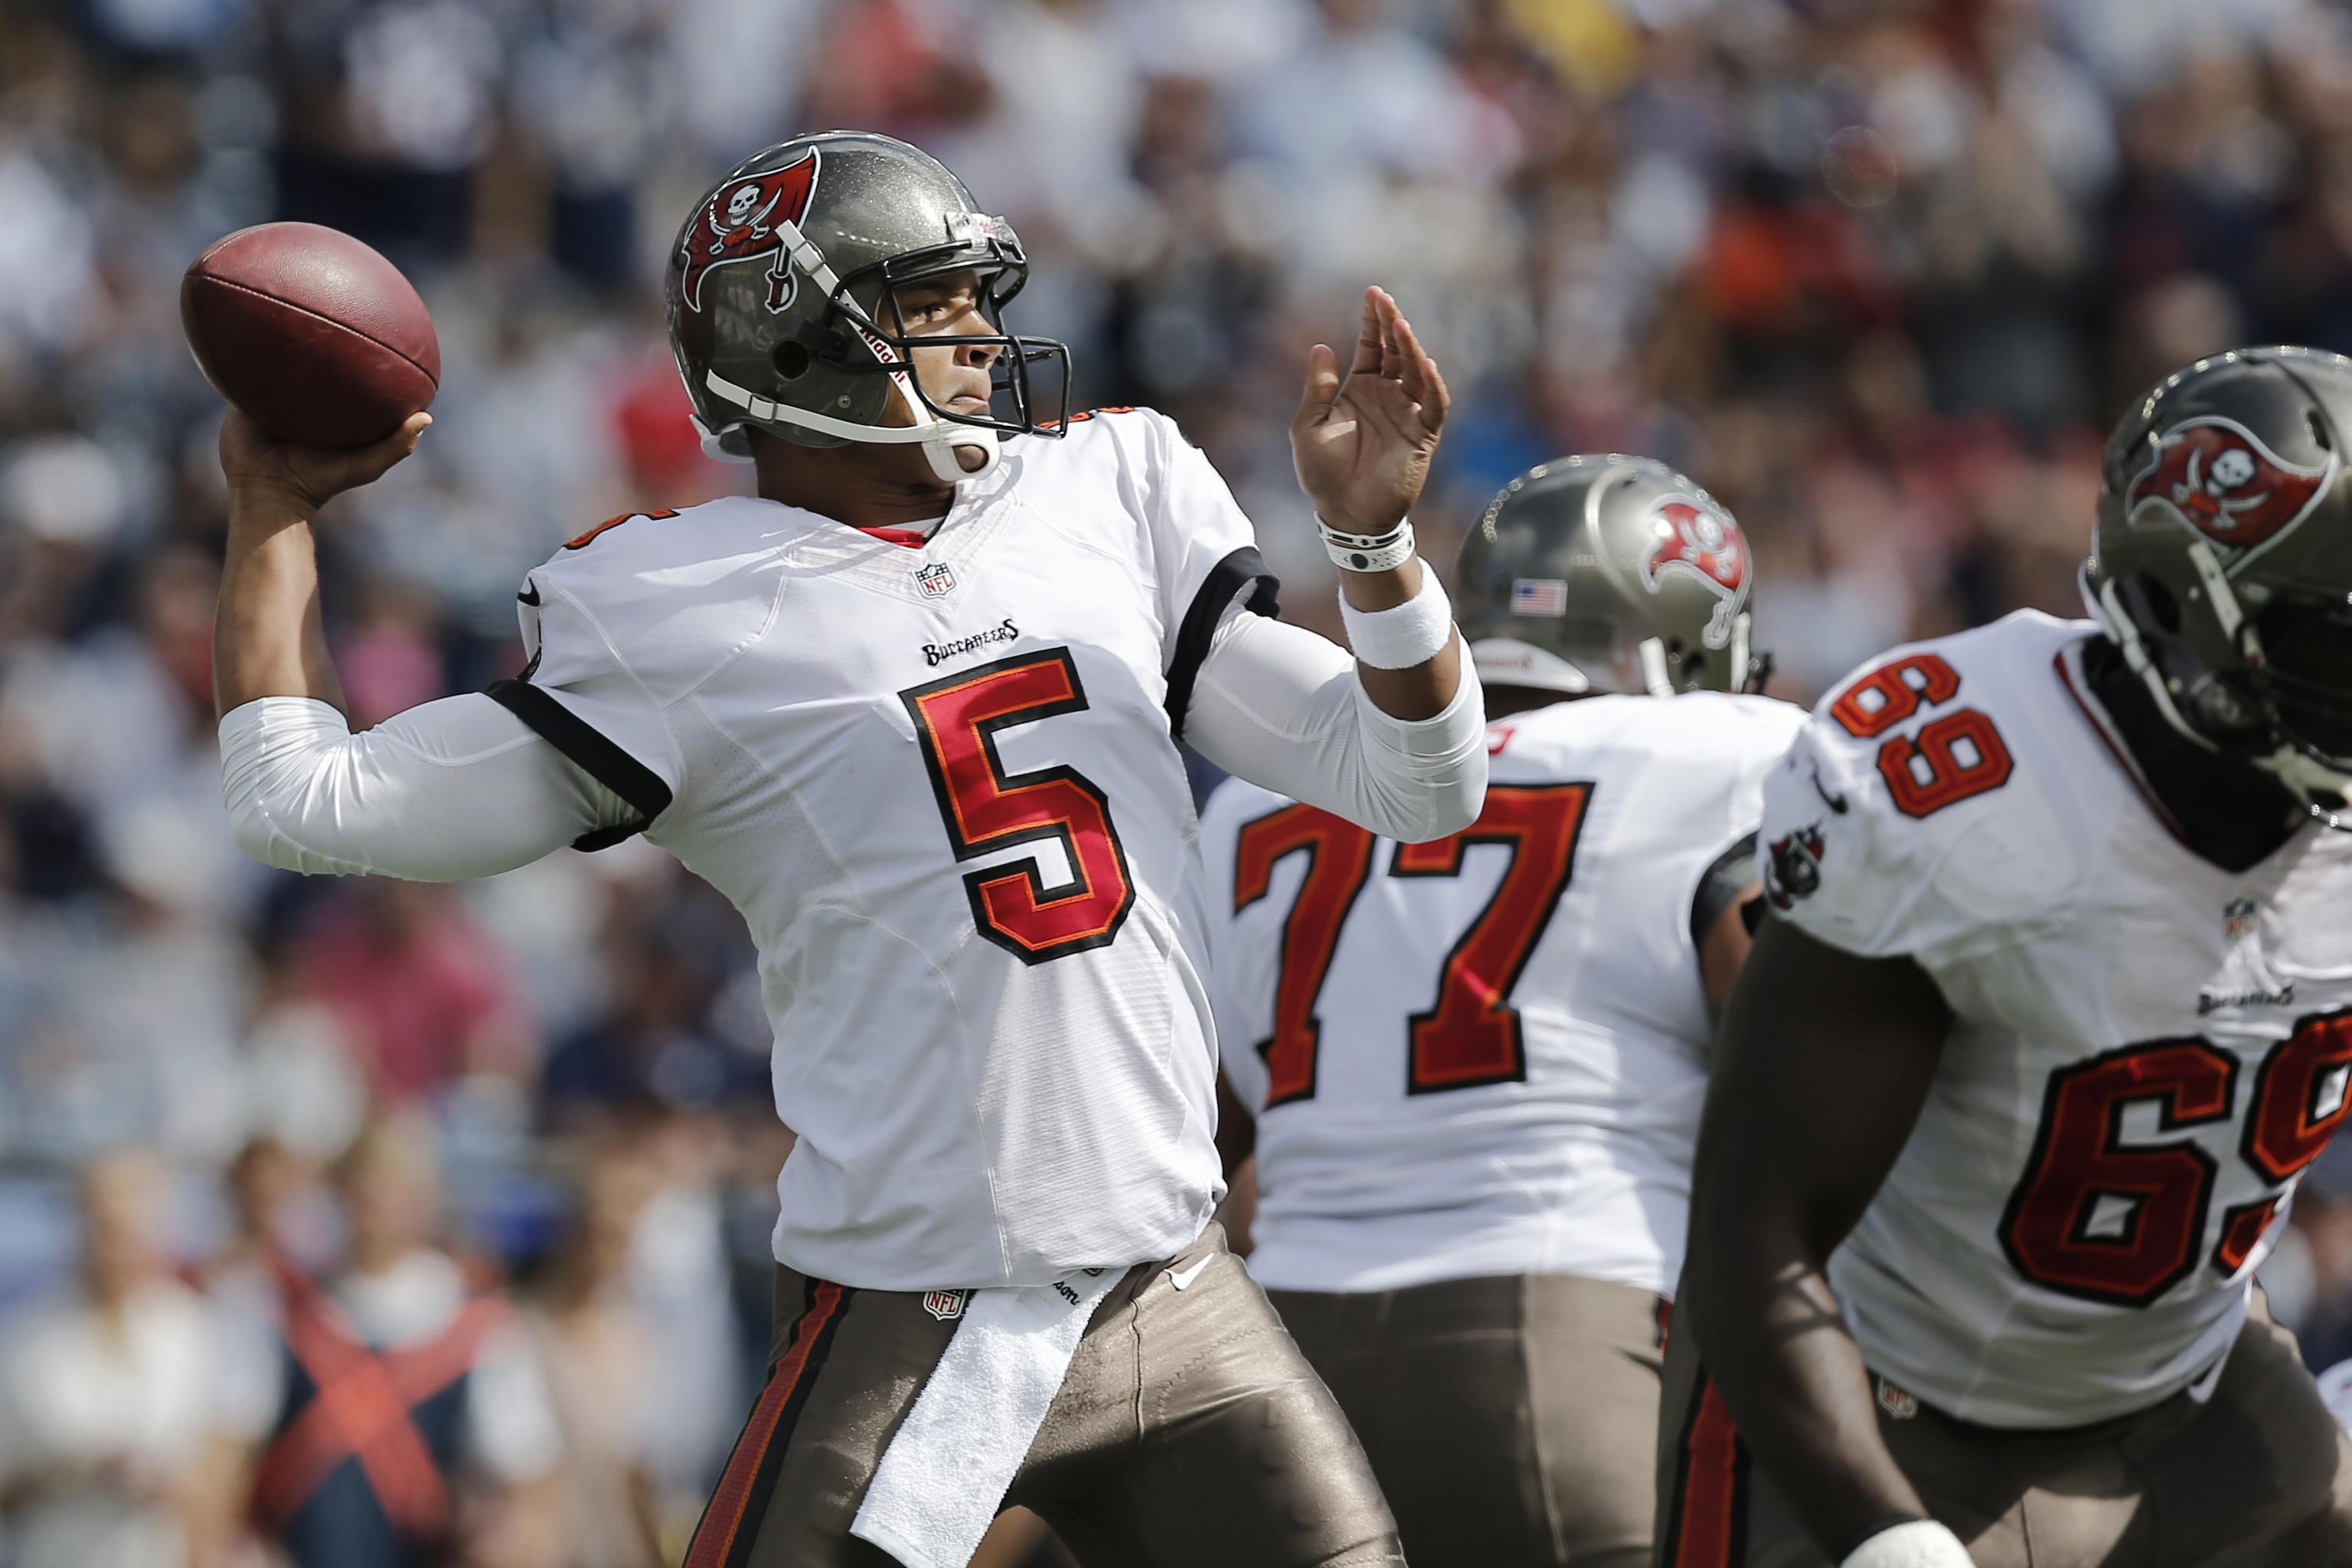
[987,809]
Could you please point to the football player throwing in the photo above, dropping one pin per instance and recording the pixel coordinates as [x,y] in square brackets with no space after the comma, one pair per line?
[914,707]
[1477,1064]
[2011,1099]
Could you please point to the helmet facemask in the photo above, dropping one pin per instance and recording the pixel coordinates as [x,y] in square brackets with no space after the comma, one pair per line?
[2285,707]
[2300,677]
[859,340]
[1002,273]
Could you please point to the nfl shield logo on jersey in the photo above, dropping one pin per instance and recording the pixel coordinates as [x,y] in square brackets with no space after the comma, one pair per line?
[936,580]
[946,1305]
[2239,919]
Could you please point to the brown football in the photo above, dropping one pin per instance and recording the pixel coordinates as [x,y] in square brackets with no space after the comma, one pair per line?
[314,335]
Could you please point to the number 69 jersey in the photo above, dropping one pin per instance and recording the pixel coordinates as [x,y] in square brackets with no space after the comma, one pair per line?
[939,780]
[2147,1051]
[1486,1055]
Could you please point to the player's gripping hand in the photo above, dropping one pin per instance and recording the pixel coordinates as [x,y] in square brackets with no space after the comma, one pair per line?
[1921,1543]
[1363,446]
[266,473]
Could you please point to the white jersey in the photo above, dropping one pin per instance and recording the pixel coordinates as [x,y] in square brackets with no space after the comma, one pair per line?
[939,781]
[1486,1055]
[2146,1050]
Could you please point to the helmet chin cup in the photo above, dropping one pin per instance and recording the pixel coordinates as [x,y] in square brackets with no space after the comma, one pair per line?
[946,452]
[945,441]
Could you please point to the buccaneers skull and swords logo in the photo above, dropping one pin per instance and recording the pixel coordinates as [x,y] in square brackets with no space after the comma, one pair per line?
[2220,478]
[748,220]
[1698,538]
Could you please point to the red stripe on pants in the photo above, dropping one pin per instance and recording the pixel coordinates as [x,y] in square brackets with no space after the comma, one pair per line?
[1710,1485]
[716,1539]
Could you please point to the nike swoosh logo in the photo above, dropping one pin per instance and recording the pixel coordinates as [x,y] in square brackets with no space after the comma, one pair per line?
[530,596]
[1184,1280]
[1836,802]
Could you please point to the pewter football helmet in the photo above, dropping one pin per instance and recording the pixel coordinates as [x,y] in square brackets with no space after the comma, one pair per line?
[1608,574]
[2222,562]
[784,302]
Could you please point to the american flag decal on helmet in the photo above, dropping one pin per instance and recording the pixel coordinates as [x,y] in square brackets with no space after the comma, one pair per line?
[1539,596]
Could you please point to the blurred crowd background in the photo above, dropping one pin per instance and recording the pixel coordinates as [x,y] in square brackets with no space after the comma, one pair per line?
[1877,272]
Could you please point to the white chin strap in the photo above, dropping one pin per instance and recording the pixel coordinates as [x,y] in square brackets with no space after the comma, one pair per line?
[942,440]
[2106,608]
[1652,653]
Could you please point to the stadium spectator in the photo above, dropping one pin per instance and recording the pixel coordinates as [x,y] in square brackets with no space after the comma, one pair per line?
[603,1376]
[394,1406]
[108,1394]
[424,995]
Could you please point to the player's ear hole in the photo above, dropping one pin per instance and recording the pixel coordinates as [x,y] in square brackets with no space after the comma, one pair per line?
[792,360]
[2318,429]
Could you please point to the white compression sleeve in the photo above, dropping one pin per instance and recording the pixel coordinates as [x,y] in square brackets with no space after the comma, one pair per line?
[449,790]
[1281,706]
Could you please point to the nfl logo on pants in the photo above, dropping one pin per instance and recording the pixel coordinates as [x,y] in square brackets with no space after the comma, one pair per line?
[946,1305]
[936,579]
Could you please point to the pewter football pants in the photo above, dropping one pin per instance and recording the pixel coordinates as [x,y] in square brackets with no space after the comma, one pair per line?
[1189,1431]
[2258,1476]
[1511,1419]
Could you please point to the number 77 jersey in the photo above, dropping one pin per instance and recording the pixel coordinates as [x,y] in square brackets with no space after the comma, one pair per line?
[1486,1055]
[2148,1049]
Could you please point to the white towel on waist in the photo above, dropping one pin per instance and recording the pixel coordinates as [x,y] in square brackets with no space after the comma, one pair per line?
[944,1475]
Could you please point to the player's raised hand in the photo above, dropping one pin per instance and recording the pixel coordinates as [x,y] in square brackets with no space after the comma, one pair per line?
[261,469]
[1363,445]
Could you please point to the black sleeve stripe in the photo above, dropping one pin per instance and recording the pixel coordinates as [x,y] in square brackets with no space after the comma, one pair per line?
[1243,569]
[604,761]
[1731,874]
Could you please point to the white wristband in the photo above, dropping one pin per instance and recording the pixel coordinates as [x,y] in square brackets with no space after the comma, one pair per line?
[1368,551]
[1405,634]
[1922,1543]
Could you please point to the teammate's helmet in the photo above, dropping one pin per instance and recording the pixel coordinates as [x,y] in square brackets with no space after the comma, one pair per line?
[1608,574]
[783,302]
[2221,563]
